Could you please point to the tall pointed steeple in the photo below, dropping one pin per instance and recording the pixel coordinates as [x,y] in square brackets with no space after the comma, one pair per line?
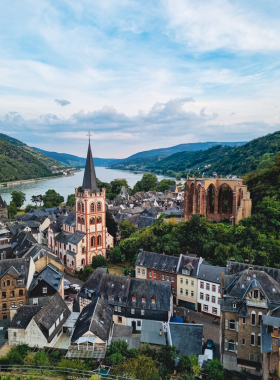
[90,182]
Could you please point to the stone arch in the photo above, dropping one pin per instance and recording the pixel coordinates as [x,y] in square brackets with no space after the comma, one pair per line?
[239,197]
[190,196]
[92,207]
[210,199]
[198,198]
[99,240]
[99,219]
[92,220]
[225,199]
[92,241]
[99,206]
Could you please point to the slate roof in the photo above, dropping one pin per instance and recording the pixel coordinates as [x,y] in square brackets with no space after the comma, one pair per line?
[89,181]
[37,251]
[94,281]
[66,237]
[186,261]
[23,316]
[211,273]
[235,268]
[48,315]
[161,290]
[21,242]
[150,332]
[49,274]
[91,319]
[71,253]
[56,227]
[157,261]
[21,267]
[70,219]
[194,334]
[114,285]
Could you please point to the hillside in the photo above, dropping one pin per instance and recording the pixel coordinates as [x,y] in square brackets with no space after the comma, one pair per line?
[78,162]
[16,163]
[223,160]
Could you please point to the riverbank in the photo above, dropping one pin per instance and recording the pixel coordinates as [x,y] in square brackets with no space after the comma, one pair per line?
[24,181]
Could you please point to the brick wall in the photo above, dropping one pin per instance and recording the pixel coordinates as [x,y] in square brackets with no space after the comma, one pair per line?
[9,287]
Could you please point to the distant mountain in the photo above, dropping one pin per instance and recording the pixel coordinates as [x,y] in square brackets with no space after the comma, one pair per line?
[11,140]
[78,162]
[181,148]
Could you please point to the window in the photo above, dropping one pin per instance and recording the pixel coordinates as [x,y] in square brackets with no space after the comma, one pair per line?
[207,286]
[79,220]
[133,298]
[111,298]
[259,319]
[213,299]
[201,285]
[234,305]
[99,240]
[252,357]
[92,220]
[172,279]
[5,317]
[258,358]
[150,274]
[181,280]
[98,206]
[45,290]
[132,311]
[4,306]
[99,219]
[259,340]
[232,324]
[119,319]
[143,272]
[253,339]
[83,207]
[231,345]
[79,207]
[116,308]
[214,310]
[153,300]
[192,283]
[205,307]
[138,323]
[253,318]
[92,207]
[207,297]
[13,304]
[243,342]
[181,290]
[15,334]
[138,270]
[187,292]
[155,275]
[142,312]
[201,296]
[83,251]
[162,277]
[192,293]
[12,293]
[20,292]
[119,309]
[120,299]
[143,299]
[167,278]
[3,294]
[187,281]
[35,301]
[92,241]
[213,288]
[8,283]
[256,294]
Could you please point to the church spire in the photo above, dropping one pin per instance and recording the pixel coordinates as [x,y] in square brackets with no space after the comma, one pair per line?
[90,182]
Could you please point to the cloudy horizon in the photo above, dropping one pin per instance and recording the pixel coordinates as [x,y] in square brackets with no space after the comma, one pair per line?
[140,75]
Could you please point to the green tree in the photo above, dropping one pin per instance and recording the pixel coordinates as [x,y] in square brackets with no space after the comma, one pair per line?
[187,376]
[12,209]
[141,367]
[129,247]
[184,363]
[127,228]
[18,197]
[28,208]
[115,359]
[42,358]
[34,199]
[85,273]
[147,183]
[166,356]
[118,346]
[118,184]
[111,225]
[98,261]
[71,200]
[52,199]
[165,184]
[215,370]
[116,255]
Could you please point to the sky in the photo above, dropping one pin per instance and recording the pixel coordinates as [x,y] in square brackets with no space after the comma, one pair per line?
[140,74]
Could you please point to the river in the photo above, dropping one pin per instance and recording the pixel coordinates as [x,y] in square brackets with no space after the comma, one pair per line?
[67,185]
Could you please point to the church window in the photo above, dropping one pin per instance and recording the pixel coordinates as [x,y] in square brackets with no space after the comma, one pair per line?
[83,207]
[79,220]
[253,318]
[143,299]
[133,298]
[83,221]
[83,250]
[92,220]
[93,241]
[153,300]
[83,261]
[99,240]
[79,206]
[92,207]
[99,206]
[99,219]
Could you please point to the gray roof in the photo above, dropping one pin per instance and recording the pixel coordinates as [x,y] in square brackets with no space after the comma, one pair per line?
[186,337]
[66,237]
[38,251]
[89,181]
[56,227]
[49,274]
[150,332]
[94,281]
[157,261]
[189,262]
[211,273]
[70,219]
[18,268]
[23,316]
[266,338]
[271,321]
[71,253]
[235,267]
[114,285]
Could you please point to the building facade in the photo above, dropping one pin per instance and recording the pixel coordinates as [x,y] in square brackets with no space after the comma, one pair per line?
[217,198]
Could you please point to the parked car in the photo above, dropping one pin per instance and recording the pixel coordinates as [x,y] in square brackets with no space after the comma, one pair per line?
[75,287]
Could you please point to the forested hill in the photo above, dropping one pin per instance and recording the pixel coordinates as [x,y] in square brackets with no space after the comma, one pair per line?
[18,163]
[223,160]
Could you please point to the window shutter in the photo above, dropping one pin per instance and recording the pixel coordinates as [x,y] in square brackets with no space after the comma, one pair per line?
[226,345]
[236,325]
[226,324]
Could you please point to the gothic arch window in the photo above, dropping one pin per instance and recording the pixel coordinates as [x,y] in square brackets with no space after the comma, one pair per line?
[79,219]
[92,207]
[153,299]
[79,206]
[134,298]
[99,219]
[92,220]
[83,207]
[92,241]
[83,221]
[83,261]
[99,240]
[143,299]
[99,206]
[253,318]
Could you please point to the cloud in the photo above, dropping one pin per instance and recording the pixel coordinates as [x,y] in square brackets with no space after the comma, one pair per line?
[62,102]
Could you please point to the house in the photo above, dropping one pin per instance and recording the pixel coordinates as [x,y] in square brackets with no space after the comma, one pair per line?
[156,266]
[42,257]
[249,292]
[45,285]
[154,333]
[15,278]
[39,326]
[21,242]
[91,287]
[209,292]
[93,331]
[149,216]
[5,246]
[270,345]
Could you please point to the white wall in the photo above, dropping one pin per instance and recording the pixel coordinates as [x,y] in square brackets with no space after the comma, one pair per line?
[211,293]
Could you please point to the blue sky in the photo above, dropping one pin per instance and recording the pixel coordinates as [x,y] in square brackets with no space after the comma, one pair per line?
[139,74]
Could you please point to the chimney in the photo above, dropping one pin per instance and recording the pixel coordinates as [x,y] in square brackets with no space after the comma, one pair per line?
[160,332]
[103,312]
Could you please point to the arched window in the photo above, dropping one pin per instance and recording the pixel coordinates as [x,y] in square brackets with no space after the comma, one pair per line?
[79,219]
[134,298]
[252,339]
[92,241]
[92,220]
[259,340]
[259,318]
[83,261]
[253,318]
[99,206]
[92,207]
[153,300]
[143,299]
[83,207]
[99,240]
[83,221]
[72,263]
[99,219]
[79,206]
[232,324]
[231,345]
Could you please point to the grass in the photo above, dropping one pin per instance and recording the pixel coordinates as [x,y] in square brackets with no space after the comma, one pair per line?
[118,268]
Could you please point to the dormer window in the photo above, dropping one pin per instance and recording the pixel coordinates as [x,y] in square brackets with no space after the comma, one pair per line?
[153,300]
[133,298]
[163,266]
[143,299]
[234,305]
[120,299]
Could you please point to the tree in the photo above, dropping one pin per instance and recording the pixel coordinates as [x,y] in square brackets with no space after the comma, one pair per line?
[115,359]
[98,261]
[215,370]
[28,208]
[111,225]
[141,367]
[18,197]
[166,356]
[71,200]
[147,182]
[12,210]
[184,363]
[52,199]
[118,184]
[118,346]
[34,199]
[42,358]
[165,184]
[127,228]
[116,255]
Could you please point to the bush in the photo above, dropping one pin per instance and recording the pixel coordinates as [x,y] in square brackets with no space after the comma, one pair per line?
[116,255]
[118,347]
[184,363]
[29,360]
[98,261]
[42,358]
[77,364]
[28,208]
[115,359]
[133,353]
[85,273]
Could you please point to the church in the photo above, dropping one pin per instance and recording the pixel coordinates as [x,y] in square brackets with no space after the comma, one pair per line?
[84,233]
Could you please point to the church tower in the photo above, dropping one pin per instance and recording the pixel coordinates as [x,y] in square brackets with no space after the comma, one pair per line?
[91,214]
